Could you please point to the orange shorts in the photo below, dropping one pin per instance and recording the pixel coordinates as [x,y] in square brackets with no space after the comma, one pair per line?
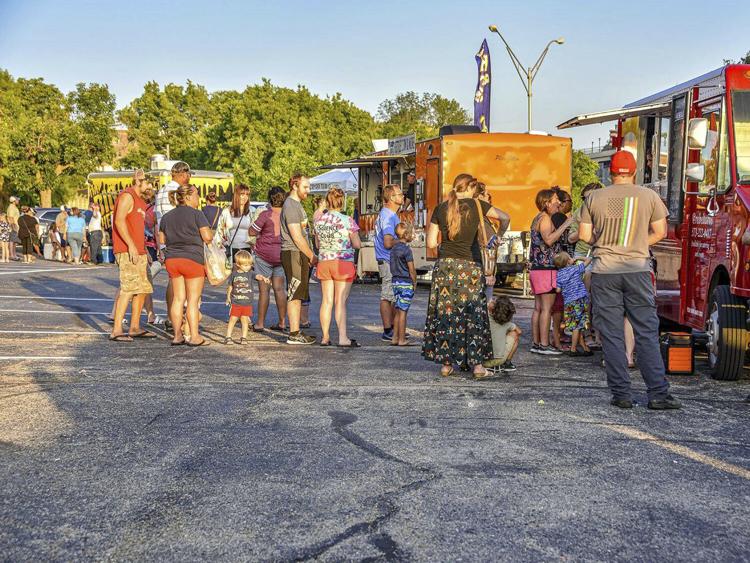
[336,270]
[185,268]
[241,311]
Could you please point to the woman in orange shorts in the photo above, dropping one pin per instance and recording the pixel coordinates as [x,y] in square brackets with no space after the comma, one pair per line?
[337,237]
[183,230]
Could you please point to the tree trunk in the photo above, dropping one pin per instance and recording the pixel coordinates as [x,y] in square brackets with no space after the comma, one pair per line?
[45,197]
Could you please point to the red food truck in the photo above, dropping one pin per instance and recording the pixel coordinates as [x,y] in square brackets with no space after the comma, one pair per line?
[692,145]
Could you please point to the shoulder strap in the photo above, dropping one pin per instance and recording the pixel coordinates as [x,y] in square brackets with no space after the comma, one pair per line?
[481,232]
[216,218]
[237,229]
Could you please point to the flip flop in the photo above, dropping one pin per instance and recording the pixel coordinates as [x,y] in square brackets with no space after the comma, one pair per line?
[408,344]
[353,344]
[180,343]
[121,338]
[203,342]
[142,334]
[326,343]
[445,373]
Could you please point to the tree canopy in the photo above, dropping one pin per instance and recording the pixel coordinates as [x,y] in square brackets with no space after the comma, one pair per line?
[422,114]
[50,141]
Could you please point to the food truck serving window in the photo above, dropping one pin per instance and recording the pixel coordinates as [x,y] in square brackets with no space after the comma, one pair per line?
[741,115]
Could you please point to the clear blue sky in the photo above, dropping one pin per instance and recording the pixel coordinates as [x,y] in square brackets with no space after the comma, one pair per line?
[615,52]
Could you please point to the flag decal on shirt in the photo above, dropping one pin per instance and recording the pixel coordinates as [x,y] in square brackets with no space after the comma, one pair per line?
[619,222]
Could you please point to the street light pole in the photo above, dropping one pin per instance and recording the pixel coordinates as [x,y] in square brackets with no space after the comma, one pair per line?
[526,74]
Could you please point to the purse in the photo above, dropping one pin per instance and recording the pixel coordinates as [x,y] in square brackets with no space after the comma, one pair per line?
[489,255]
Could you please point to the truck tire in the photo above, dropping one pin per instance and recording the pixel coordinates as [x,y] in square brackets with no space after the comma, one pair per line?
[727,335]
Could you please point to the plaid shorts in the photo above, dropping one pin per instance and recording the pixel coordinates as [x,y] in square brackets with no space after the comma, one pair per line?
[403,293]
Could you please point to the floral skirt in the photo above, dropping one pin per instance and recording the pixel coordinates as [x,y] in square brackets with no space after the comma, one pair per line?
[457,330]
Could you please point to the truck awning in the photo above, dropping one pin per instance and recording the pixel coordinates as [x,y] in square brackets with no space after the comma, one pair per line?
[615,114]
[365,161]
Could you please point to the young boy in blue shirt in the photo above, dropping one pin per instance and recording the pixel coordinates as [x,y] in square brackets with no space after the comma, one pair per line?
[404,281]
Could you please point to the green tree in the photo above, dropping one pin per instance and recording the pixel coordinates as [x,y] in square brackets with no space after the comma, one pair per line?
[49,141]
[741,61]
[584,172]
[173,118]
[422,114]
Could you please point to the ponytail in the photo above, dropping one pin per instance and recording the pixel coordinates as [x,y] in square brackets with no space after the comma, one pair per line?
[454,215]
[462,184]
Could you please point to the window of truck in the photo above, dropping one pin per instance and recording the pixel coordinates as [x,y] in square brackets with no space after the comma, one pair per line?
[676,148]
[715,156]
[741,115]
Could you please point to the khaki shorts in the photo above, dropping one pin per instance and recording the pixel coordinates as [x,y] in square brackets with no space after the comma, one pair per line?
[386,287]
[134,278]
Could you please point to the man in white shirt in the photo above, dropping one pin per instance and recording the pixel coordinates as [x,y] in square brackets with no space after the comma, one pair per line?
[180,177]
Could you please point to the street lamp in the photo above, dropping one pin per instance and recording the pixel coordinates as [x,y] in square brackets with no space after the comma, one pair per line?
[526,75]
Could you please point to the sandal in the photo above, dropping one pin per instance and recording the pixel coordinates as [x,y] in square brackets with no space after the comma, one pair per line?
[258,329]
[352,344]
[203,342]
[142,334]
[326,343]
[178,343]
[121,338]
[446,371]
[243,341]
[277,328]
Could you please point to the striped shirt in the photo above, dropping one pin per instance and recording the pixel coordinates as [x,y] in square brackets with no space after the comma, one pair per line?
[570,282]
[621,215]
[163,204]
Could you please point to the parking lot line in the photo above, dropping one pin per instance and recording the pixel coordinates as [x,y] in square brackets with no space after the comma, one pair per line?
[53,332]
[107,299]
[32,358]
[54,312]
[683,451]
[33,271]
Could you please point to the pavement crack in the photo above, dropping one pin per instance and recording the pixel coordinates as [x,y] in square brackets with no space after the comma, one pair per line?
[339,422]
[386,502]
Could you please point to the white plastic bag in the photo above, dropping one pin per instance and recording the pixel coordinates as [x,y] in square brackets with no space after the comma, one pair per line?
[216,269]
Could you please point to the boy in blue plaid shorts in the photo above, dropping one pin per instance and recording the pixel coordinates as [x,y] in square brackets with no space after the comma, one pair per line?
[404,281]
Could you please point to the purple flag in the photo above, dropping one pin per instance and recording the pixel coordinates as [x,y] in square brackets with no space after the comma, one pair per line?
[482,95]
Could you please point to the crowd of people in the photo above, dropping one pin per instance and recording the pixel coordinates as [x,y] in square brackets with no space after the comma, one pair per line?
[74,237]
[591,275]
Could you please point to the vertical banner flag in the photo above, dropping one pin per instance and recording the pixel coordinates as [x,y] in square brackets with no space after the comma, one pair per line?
[482,95]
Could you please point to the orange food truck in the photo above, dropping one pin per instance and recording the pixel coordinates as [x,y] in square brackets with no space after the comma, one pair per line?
[692,145]
[514,166]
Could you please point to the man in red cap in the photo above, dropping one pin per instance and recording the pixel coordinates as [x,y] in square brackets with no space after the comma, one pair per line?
[622,221]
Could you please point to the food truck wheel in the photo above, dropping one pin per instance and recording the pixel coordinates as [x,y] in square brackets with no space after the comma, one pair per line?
[727,338]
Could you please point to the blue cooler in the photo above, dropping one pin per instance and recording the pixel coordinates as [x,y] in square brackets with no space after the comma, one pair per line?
[108,256]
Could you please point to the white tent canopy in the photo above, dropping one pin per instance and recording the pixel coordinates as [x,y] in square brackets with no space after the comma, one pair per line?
[345,178]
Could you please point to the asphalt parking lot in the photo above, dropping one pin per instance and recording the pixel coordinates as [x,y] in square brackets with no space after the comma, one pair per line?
[141,451]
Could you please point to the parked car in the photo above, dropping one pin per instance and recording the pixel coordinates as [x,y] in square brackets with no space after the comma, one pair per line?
[46,216]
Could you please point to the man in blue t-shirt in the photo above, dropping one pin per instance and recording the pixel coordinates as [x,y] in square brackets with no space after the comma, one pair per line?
[385,238]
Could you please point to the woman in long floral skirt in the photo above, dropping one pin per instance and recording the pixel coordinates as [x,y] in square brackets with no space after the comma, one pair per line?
[457,331]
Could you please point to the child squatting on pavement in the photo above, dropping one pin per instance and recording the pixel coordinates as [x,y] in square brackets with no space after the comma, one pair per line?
[240,295]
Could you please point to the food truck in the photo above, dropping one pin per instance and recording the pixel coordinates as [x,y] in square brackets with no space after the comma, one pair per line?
[514,166]
[104,186]
[692,145]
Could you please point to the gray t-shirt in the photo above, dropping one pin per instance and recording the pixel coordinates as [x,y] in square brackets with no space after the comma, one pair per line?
[182,229]
[292,213]
[621,215]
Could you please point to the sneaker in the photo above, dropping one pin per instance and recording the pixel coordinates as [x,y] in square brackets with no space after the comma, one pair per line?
[228,341]
[621,403]
[300,338]
[507,367]
[535,349]
[387,335]
[549,351]
[667,403]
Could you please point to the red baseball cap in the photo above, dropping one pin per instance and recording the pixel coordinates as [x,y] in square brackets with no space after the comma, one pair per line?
[623,162]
